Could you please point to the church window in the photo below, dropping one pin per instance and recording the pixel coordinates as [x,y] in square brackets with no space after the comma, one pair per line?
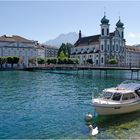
[116,47]
[122,34]
[102,47]
[102,31]
[108,47]
[102,60]
[107,31]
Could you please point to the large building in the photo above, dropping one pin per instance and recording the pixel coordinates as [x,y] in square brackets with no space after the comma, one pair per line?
[132,56]
[51,51]
[21,47]
[102,47]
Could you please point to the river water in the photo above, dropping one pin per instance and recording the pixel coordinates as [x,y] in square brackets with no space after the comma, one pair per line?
[53,105]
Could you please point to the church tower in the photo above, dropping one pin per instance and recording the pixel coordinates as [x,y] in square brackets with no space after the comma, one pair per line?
[104,41]
[104,26]
[120,28]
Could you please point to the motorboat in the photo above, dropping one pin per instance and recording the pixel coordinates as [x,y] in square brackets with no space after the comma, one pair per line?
[124,98]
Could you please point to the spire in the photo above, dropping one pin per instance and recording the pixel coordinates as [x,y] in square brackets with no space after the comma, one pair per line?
[104,13]
[80,34]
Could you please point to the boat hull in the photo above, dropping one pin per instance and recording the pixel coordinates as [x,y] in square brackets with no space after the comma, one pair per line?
[103,109]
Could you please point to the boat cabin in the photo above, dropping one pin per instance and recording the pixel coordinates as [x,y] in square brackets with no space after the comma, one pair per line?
[121,95]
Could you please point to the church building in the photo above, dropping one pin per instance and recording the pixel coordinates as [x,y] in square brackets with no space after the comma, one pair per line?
[99,49]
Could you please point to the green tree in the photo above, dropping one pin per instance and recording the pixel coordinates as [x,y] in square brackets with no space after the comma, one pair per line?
[51,61]
[15,60]
[12,60]
[62,56]
[65,48]
[2,61]
[112,61]
[32,61]
[40,60]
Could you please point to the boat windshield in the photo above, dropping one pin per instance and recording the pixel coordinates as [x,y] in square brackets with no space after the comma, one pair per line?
[107,95]
[116,96]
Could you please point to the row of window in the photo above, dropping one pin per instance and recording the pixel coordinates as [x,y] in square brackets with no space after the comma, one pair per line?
[103,31]
[113,47]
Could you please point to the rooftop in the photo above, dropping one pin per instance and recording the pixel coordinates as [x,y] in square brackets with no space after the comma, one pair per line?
[132,48]
[15,38]
[89,39]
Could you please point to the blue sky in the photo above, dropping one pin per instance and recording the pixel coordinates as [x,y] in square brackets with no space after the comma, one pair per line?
[47,19]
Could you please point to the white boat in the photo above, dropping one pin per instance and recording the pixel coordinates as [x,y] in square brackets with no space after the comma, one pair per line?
[122,99]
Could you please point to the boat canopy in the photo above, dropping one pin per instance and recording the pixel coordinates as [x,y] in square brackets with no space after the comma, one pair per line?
[129,85]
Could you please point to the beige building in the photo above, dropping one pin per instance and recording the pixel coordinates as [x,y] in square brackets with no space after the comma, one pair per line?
[132,56]
[51,51]
[21,47]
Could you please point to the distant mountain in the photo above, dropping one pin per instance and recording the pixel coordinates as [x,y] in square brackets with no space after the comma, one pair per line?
[63,38]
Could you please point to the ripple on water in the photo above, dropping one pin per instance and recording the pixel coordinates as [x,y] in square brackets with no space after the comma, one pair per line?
[52,105]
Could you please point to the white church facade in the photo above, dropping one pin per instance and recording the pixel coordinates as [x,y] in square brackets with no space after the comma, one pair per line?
[102,47]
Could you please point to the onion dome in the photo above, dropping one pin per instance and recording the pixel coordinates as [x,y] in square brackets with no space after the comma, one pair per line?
[119,24]
[104,20]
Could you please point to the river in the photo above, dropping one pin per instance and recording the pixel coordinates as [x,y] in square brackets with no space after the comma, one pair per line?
[52,105]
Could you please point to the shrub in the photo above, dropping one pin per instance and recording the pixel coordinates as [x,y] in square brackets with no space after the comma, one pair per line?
[112,61]
[40,60]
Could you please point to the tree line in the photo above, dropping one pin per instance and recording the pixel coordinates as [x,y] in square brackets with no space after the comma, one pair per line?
[63,57]
[49,61]
[8,60]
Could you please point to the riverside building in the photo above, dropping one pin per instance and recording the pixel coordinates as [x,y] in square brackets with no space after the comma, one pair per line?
[102,47]
[51,51]
[20,47]
[132,56]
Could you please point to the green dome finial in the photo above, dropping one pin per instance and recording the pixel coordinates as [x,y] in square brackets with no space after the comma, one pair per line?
[119,24]
[104,20]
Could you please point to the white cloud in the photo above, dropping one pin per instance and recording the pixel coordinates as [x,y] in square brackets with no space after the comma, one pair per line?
[132,35]
[133,38]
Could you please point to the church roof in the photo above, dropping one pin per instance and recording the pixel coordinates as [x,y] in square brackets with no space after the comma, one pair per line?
[89,40]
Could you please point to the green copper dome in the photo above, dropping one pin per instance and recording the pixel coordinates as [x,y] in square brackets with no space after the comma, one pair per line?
[119,24]
[104,20]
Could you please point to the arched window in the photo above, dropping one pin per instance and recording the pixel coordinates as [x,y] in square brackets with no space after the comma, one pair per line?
[108,47]
[107,31]
[122,35]
[102,31]
[102,60]
[117,47]
[102,47]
